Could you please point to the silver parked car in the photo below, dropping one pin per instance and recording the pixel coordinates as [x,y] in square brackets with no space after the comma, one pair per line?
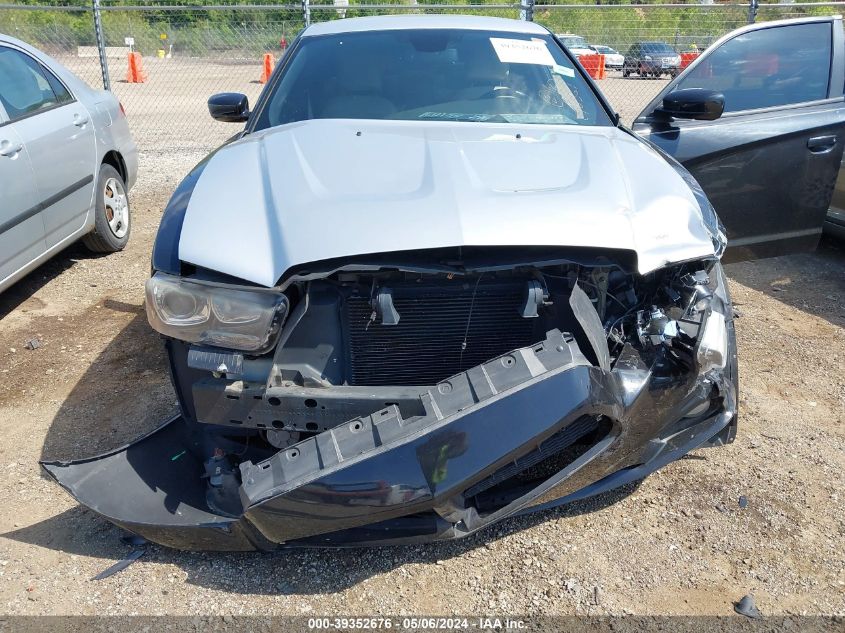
[612,58]
[575,44]
[67,161]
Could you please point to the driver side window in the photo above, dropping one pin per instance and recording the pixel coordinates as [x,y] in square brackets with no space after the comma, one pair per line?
[767,68]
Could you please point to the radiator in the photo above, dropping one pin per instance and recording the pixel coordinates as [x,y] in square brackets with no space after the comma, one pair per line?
[427,345]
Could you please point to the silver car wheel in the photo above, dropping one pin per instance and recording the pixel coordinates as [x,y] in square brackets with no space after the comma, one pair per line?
[116,207]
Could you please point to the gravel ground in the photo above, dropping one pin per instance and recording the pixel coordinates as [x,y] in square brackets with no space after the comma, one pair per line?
[679,543]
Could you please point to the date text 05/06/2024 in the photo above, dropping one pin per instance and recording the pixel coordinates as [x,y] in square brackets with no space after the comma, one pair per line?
[417,623]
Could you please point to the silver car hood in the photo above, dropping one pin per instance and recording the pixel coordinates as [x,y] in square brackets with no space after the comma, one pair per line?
[325,189]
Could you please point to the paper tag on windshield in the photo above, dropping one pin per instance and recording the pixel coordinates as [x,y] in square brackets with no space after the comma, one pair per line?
[522,51]
[563,70]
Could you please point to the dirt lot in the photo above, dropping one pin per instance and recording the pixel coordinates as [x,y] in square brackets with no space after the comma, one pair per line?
[678,543]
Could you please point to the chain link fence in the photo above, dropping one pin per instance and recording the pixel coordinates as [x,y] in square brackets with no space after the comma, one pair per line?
[190,51]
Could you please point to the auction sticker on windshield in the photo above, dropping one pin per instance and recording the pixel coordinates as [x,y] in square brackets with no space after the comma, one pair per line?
[512,51]
[563,70]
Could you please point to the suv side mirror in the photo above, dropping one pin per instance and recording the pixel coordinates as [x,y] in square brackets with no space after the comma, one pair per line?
[692,103]
[230,107]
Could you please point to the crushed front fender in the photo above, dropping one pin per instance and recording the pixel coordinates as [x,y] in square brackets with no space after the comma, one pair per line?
[383,479]
[152,487]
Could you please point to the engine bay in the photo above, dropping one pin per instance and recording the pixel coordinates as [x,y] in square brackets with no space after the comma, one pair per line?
[358,341]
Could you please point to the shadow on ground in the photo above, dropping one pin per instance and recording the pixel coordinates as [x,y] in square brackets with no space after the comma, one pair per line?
[286,572]
[23,290]
[124,393]
[811,282]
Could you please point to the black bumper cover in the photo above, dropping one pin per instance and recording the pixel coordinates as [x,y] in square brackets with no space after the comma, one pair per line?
[384,480]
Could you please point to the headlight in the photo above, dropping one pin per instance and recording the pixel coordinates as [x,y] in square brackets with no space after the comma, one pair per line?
[647,58]
[215,315]
[713,344]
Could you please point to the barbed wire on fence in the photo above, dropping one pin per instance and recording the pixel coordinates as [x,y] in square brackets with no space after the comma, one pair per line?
[194,48]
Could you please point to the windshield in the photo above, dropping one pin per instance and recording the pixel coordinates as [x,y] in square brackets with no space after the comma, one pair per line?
[573,41]
[431,75]
[659,48]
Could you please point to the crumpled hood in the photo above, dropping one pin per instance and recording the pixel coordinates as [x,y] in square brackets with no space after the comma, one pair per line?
[324,189]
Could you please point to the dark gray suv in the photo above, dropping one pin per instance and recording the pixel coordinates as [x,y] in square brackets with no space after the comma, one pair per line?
[651,59]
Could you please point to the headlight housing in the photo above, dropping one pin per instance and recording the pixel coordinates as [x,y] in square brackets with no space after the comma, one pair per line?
[712,350]
[248,320]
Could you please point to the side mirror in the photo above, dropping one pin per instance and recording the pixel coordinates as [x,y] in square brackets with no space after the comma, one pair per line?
[230,107]
[692,103]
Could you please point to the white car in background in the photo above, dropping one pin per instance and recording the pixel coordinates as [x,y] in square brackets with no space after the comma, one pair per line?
[67,161]
[575,44]
[612,58]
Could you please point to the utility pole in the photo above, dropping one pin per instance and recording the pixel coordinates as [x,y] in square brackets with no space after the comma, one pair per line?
[101,44]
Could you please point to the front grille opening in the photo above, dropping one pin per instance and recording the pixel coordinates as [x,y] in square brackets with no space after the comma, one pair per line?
[524,474]
[442,331]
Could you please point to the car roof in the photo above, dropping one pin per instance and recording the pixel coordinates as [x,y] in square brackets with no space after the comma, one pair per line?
[8,39]
[403,22]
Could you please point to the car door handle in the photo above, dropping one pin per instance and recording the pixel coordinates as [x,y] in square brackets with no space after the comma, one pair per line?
[821,144]
[80,121]
[7,149]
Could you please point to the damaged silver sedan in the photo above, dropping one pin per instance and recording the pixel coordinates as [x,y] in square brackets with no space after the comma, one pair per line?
[433,283]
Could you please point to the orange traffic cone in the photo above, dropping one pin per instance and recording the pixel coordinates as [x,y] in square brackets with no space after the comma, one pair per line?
[135,73]
[269,62]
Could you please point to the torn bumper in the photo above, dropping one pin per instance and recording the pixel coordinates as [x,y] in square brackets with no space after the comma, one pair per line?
[382,479]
